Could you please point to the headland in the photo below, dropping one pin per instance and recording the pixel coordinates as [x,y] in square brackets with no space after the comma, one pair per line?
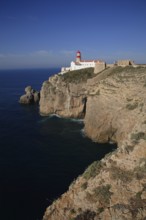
[112,104]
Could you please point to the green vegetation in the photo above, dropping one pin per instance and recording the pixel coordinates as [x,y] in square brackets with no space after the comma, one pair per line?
[86,215]
[90,197]
[126,69]
[138,136]
[144,186]
[78,76]
[101,209]
[129,99]
[131,106]
[126,176]
[129,74]
[120,206]
[79,209]
[103,194]
[92,170]
[138,195]
[122,174]
[136,204]
[72,211]
[84,185]
[140,171]
[118,69]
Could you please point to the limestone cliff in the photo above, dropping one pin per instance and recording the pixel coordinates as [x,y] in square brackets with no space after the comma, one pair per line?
[65,95]
[113,104]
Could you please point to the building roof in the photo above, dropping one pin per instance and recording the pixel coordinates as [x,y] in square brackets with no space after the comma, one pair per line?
[88,61]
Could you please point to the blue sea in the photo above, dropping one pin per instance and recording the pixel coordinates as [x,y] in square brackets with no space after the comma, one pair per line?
[39,156]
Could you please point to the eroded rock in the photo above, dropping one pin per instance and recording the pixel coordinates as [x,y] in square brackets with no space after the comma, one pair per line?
[30,97]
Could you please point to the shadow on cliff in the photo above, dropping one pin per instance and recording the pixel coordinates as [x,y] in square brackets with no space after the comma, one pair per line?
[84,101]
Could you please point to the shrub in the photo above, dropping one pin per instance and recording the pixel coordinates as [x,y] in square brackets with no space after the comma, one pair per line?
[138,136]
[140,171]
[132,106]
[120,206]
[144,186]
[92,170]
[72,211]
[122,174]
[101,209]
[136,203]
[90,197]
[84,185]
[78,76]
[103,194]
[129,99]
[86,215]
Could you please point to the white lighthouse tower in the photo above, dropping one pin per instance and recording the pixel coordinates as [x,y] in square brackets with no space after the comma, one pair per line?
[78,57]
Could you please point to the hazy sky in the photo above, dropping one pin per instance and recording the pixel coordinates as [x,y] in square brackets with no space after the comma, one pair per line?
[47,33]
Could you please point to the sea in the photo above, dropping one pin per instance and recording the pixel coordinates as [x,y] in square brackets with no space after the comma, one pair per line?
[39,156]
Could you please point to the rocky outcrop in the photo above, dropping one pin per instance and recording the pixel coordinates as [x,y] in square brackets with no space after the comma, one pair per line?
[30,97]
[65,95]
[114,104]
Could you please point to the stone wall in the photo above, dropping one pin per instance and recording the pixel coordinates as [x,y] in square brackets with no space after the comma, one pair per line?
[99,67]
[124,62]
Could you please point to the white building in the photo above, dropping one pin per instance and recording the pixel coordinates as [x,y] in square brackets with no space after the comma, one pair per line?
[80,64]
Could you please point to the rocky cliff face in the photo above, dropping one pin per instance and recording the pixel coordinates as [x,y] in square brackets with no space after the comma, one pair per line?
[113,104]
[65,95]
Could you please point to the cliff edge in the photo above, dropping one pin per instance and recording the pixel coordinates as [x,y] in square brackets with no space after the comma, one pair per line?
[113,105]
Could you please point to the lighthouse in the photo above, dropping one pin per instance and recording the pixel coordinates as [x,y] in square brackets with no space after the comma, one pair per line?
[78,56]
[82,64]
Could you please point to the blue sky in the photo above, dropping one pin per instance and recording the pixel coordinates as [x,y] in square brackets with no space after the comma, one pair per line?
[47,33]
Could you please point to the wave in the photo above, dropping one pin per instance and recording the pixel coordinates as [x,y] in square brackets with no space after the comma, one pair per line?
[54,116]
[46,118]
[82,131]
[80,121]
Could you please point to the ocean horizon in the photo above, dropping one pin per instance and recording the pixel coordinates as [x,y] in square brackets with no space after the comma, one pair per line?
[39,156]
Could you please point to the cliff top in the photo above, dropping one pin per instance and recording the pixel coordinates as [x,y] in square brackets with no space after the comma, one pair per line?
[78,76]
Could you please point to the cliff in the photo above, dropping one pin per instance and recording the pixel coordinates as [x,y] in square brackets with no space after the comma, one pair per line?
[113,105]
[65,95]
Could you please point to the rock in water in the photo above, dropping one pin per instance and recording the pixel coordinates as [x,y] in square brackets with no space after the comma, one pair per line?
[28,89]
[30,97]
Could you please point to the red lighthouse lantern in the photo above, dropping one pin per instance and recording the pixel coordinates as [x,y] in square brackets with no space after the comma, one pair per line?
[78,56]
